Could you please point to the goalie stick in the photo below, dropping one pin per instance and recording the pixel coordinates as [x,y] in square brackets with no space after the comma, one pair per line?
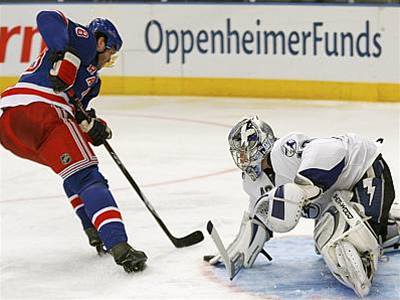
[234,265]
[188,240]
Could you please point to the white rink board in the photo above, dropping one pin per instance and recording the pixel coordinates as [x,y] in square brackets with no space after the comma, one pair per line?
[367,40]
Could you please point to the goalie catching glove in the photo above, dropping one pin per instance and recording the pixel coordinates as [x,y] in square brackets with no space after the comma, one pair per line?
[96,128]
[282,207]
[248,243]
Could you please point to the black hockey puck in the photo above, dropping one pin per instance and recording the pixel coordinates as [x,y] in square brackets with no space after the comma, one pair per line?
[207,258]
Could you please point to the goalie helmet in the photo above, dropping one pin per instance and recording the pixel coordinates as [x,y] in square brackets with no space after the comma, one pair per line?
[250,141]
[108,29]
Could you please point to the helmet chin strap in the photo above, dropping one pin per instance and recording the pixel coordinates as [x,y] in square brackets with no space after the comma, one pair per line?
[97,60]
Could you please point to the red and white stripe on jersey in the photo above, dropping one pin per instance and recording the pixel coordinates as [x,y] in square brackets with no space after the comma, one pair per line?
[89,158]
[24,93]
[106,215]
[76,202]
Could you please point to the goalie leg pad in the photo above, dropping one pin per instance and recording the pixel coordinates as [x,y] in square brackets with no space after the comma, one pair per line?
[352,268]
[347,243]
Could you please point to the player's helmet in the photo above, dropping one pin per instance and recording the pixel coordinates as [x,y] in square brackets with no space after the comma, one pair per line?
[250,141]
[107,28]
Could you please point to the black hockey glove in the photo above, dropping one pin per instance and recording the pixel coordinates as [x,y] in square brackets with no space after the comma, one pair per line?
[96,128]
[89,114]
[65,67]
[99,132]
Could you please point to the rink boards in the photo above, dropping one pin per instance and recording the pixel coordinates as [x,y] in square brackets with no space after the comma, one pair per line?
[243,50]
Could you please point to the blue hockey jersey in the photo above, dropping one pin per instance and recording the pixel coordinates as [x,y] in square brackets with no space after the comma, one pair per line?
[59,34]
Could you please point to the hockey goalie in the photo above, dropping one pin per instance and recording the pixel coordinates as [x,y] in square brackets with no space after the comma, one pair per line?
[342,182]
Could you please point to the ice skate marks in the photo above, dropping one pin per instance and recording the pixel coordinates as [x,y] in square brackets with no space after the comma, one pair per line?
[298,273]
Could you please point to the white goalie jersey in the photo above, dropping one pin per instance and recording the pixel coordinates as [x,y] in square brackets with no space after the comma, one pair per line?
[335,163]
[256,189]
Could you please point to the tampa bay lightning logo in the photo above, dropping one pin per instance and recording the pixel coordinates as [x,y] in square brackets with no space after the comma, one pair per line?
[289,148]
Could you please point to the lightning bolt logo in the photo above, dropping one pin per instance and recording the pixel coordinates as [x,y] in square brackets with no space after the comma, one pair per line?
[367,184]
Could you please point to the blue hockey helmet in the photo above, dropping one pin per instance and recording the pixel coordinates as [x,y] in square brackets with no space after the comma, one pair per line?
[107,28]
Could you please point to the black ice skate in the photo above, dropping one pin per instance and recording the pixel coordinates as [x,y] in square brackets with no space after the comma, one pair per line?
[132,260]
[95,241]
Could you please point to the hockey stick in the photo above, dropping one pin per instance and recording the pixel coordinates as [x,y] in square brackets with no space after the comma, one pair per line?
[188,240]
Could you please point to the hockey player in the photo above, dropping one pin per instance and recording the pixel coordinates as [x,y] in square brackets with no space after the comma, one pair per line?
[39,122]
[342,182]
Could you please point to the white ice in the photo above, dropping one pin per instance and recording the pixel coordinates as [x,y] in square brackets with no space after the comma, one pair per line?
[176,149]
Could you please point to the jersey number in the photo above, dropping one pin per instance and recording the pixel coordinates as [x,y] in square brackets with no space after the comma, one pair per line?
[36,63]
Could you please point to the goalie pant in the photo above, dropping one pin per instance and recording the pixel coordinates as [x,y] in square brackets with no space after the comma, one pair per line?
[375,192]
[46,134]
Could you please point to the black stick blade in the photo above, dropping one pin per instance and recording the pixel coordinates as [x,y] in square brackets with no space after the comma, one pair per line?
[189,240]
[207,258]
[210,227]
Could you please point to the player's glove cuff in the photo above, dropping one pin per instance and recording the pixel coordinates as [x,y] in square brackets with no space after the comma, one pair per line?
[84,116]
[64,70]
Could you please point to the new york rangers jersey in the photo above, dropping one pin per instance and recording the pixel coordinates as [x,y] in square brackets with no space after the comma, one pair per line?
[59,34]
[335,163]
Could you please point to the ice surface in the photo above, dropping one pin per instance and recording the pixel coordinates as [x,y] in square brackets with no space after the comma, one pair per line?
[296,272]
[176,149]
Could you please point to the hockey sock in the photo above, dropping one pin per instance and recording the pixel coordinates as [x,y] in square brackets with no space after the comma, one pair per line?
[79,208]
[99,205]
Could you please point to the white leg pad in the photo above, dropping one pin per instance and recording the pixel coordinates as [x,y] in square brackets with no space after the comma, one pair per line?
[353,268]
[347,244]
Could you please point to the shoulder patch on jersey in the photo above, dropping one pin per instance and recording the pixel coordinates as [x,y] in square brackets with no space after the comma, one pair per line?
[81,32]
[289,148]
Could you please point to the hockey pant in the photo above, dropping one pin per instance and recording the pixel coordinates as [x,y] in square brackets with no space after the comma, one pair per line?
[47,135]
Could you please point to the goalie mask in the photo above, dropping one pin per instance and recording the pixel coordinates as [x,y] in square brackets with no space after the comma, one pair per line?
[250,141]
